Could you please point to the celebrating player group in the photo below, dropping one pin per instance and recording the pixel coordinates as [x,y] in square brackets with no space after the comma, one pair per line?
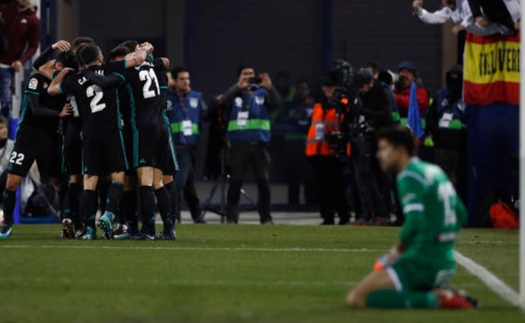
[86,121]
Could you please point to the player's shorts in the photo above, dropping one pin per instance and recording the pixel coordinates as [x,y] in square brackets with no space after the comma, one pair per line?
[410,275]
[104,153]
[151,145]
[72,154]
[44,148]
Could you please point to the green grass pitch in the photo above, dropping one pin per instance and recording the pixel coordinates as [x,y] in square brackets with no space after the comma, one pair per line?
[226,274]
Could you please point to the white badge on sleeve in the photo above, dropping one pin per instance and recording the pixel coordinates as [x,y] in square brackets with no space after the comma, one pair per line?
[242,118]
[187,128]
[319,131]
[445,120]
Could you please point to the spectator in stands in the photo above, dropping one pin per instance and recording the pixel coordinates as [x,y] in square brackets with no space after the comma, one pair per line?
[445,123]
[506,13]
[294,122]
[284,86]
[407,74]
[6,146]
[21,27]
[459,12]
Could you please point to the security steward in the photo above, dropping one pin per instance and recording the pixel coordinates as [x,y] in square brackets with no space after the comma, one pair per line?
[250,102]
[327,167]
[185,110]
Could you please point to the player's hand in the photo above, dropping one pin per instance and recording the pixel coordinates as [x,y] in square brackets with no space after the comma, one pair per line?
[243,83]
[66,70]
[482,21]
[457,29]
[66,111]
[17,66]
[417,4]
[62,46]
[266,81]
[147,47]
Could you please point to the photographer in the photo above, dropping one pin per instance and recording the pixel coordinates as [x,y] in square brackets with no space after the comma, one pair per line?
[328,168]
[374,113]
[249,103]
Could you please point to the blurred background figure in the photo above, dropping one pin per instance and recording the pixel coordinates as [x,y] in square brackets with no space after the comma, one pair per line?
[293,123]
[446,126]
[6,146]
[185,110]
[249,103]
[327,167]
[21,29]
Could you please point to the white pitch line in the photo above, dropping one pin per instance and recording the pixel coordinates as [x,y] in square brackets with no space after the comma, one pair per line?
[189,248]
[489,279]
[174,282]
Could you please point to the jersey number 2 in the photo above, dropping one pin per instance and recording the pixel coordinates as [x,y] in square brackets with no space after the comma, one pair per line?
[447,195]
[95,92]
[149,77]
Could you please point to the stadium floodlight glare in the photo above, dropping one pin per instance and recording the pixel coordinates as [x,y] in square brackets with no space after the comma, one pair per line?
[522,168]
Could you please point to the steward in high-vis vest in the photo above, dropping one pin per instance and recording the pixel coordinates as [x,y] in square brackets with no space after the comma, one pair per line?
[445,124]
[185,110]
[248,132]
[327,167]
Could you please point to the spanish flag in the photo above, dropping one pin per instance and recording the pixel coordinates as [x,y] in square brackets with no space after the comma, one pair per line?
[492,69]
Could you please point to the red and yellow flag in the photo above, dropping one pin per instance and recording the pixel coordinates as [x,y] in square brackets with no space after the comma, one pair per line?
[492,69]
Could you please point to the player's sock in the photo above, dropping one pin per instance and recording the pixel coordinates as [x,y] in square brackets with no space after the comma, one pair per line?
[72,204]
[163,204]
[89,205]
[394,299]
[147,204]
[62,203]
[9,201]
[128,206]
[114,196]
[172,190]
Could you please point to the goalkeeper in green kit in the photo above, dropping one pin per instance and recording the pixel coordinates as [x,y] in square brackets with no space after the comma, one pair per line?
[416,272]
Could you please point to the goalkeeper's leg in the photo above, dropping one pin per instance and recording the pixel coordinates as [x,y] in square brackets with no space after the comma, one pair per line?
[379,290]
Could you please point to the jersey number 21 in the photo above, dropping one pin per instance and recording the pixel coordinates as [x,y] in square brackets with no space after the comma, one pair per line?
[150,77]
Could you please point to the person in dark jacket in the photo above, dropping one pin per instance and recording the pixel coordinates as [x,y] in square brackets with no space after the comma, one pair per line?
[497,12]
[375,114]
[445,123]
[21,27]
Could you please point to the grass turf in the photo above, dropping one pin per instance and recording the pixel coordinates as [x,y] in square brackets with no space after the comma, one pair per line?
[226,274]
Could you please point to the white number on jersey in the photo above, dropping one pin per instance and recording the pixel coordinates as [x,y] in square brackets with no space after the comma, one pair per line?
[96,92]
[17,158]
[149,77]
[447,195]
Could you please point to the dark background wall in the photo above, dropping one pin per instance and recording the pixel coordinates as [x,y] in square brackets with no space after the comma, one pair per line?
[215,36]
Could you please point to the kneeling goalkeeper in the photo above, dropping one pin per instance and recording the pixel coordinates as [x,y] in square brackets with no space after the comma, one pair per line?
[416,272]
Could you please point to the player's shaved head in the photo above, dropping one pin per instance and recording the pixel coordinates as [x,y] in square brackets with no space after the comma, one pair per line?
[79,41]
[88,54]
[119,52]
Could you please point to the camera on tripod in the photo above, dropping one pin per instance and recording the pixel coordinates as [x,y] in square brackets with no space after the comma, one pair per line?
[341,76]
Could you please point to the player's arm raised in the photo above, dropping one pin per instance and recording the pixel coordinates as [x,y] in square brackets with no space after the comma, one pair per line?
[139,56]
[55,86]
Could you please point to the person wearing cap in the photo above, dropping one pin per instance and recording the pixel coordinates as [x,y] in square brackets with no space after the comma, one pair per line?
[328,168]
[375,114]
[407,74]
